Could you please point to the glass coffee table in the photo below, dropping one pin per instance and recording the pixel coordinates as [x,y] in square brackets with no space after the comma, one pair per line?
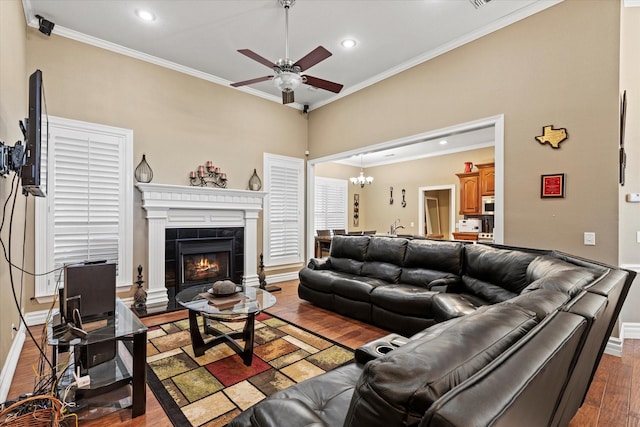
[243,305]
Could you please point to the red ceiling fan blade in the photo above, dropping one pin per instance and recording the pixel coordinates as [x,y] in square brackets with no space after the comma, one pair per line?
[312,58]
[323,84]
[248,82]
[287,97]
[251,54]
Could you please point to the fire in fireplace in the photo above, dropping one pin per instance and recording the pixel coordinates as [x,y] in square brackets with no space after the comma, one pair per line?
[204,260]
[205,267]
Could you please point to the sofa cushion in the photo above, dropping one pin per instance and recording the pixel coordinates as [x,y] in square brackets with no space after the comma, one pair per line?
[405,299]
[434,255]
[487,291]
[428,278]
[327,396]
[346,265]
[320,280]
[356,288]
[386,249]
[541,301]
[352,247]
[381,270]
[449,306]
[398,388]
[547,272]
[505,268]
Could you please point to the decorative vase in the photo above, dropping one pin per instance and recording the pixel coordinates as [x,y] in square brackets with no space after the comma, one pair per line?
[143,171]
[467,167]
[254,182]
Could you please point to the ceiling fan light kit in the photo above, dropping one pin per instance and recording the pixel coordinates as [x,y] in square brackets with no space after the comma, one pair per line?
[287,74]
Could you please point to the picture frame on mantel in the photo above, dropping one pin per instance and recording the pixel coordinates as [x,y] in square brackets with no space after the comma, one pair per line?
[552,186]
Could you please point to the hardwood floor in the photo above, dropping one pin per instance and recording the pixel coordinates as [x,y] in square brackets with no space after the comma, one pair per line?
[613,399]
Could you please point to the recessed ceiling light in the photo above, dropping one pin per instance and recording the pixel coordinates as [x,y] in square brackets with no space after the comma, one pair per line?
[348,43]
[444,142]
[145,15]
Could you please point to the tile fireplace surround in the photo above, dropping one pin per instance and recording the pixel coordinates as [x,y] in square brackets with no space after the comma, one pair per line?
[178,206]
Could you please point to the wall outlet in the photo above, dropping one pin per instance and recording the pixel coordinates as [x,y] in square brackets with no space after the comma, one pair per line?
[589,238]
[633,197]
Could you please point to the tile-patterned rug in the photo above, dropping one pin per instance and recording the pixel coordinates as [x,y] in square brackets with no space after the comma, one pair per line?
[212,389]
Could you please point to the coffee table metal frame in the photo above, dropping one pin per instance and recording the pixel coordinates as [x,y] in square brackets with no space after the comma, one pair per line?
[254,302]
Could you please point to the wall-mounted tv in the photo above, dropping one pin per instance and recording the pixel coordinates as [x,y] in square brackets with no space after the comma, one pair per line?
[34,169]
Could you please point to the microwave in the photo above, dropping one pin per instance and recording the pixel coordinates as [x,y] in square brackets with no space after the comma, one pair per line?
[488,205]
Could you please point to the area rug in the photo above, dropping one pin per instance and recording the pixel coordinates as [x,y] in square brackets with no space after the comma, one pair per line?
[212,389]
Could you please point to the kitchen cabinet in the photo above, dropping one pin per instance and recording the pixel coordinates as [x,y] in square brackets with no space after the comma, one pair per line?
[469,193]
[487,179]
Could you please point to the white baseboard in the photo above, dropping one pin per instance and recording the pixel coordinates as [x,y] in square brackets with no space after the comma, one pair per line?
[10,365]
[282,277]
[614,347]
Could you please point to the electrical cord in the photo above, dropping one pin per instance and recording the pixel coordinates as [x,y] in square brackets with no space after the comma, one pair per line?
[14,192]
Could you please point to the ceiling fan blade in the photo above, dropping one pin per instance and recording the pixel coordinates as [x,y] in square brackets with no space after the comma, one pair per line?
[312,58]
[287,97]
[251,54]
[248,82]
[323,84]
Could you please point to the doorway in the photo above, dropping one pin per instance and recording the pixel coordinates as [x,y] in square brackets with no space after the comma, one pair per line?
[437,211]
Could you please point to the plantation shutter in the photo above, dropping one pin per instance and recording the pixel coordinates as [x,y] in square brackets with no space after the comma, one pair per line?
[330,204]
[88,208]
[86,214]
[283,226]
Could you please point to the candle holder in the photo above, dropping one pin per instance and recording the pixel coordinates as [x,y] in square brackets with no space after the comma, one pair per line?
[140,296]
[262,278]
[208,174]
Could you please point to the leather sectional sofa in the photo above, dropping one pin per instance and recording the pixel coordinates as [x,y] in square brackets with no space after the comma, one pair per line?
[495,335]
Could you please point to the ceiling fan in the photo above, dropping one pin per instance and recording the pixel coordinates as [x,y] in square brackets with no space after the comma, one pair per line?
[287,75]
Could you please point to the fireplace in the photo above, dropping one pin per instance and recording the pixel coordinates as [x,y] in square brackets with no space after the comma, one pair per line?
[179,211]
[196,256]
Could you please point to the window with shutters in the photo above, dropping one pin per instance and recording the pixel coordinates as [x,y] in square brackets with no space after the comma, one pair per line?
[330,205]
[87,214]
[283,225]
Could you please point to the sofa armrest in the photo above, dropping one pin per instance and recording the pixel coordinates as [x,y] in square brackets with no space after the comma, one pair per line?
[378,348]
[278,413]
[319,264]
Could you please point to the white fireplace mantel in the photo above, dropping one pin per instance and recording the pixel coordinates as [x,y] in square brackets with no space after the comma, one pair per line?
[178,206]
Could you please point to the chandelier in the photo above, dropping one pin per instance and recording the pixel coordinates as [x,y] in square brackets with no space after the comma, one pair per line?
[361,180]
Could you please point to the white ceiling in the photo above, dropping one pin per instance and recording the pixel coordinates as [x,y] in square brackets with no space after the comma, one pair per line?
[201,37]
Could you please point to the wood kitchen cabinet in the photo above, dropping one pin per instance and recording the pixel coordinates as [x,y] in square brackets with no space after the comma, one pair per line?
[487,179]
[469,193]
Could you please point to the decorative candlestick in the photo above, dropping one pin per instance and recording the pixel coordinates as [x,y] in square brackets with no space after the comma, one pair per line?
[140,297]
[208,175]
[262,278]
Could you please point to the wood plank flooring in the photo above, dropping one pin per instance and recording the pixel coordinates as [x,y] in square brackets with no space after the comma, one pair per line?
[613,399]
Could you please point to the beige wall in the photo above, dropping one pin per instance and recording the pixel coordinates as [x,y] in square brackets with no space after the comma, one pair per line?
[557,67]
[630,212]
[13,107]
[178,121]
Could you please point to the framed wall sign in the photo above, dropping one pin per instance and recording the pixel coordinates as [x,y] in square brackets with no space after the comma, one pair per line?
[552,185]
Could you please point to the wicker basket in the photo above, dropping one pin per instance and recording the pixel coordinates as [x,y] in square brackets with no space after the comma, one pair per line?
[45,417]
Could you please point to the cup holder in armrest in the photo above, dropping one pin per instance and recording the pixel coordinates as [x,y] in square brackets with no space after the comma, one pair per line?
[384,349]
[379,347]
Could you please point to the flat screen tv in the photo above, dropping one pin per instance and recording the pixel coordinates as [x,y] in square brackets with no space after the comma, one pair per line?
[34,169]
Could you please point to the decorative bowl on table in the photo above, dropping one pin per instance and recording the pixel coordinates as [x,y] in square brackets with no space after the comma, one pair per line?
[223,288]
